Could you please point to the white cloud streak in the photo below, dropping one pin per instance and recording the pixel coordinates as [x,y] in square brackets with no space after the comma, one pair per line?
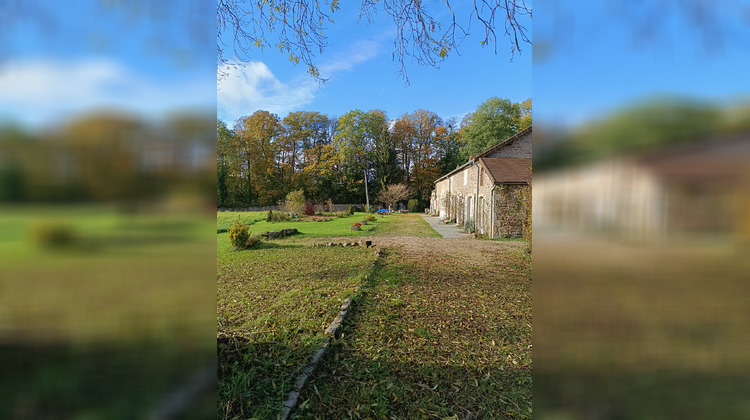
[41,90]
[252,86]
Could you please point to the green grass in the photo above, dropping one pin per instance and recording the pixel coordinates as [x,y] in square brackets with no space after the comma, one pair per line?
[394,224]
[273,305]
[426,337]
[641,331]
[106,326]
[431,339]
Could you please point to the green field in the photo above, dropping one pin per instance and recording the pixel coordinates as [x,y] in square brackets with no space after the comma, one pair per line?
[108,322]
[641,331]
[431,333]
[273,306]
[392,224]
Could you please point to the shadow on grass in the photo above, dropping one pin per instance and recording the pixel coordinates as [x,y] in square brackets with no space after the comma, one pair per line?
[350,384]
[114,381]
[255,377]
[361,377]
[649,394]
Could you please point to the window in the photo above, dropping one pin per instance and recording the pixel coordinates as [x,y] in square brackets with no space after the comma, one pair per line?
[466,177]
[481,177]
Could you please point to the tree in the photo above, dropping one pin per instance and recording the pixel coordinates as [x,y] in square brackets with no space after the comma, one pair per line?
[297,27]
[354,141]
[494,121]
[223,156]
[258,137]
[394,193]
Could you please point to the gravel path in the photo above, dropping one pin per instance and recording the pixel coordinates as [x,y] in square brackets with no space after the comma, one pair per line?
[470,251]
[448,231]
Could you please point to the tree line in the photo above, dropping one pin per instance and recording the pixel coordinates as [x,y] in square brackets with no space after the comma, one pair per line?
[262,157]
[108,157]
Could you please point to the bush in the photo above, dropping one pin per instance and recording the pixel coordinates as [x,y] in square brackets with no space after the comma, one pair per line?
[342,214]
[253,242]
[239,236]
[54,235]
[371,218]
[295,202]
[351,210]
[309,209]
[277,217]
[413,206]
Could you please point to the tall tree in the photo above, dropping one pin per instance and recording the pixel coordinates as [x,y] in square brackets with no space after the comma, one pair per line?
[224,155]
[493,121]
[354,141]
[258,137]
[425,170]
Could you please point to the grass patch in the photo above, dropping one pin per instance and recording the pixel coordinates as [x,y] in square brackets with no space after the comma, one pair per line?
[106,324]
[431,339]
[660,331]
[273,305]
[392,224]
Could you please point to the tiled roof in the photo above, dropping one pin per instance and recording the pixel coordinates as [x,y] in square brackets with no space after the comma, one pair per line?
[508,170]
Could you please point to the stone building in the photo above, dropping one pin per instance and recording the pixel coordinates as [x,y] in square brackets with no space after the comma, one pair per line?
[480,193]
[679,191]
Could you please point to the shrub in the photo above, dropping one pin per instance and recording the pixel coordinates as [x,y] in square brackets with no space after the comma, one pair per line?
[330,205]
[351,210]
[295,202]
[253,242]
[371,218]
[309,209]
[54,235]
[239,235]
[342,213]
[277,217]
[413,205]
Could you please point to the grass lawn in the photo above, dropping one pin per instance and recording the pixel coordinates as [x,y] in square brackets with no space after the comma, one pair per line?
[433,334]
[644,331]
[273,305]
[432,339]
[106,326]
[393,224]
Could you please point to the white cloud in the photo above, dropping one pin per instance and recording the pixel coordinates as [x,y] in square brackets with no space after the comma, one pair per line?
[358,53]
[252,86]
[42,90]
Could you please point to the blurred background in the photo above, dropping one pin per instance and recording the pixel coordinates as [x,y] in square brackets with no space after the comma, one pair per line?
[107,209]
[641,216]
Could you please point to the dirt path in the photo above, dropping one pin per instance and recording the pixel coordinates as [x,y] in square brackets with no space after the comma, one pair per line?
[471,251]
[447,231]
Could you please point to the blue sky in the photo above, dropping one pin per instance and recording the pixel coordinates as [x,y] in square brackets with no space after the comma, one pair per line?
[363,76]
[143,57]
[599,63]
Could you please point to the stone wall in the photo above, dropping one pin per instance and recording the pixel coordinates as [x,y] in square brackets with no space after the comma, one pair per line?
[509,212]
[519,148]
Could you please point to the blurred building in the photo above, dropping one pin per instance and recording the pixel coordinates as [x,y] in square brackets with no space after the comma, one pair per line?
[692,189]
[482,193]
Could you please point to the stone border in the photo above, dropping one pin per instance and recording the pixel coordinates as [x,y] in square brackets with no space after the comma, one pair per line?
[292,398]
[291,402]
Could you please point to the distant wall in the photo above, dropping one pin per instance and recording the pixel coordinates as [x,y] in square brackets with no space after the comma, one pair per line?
[336,207]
